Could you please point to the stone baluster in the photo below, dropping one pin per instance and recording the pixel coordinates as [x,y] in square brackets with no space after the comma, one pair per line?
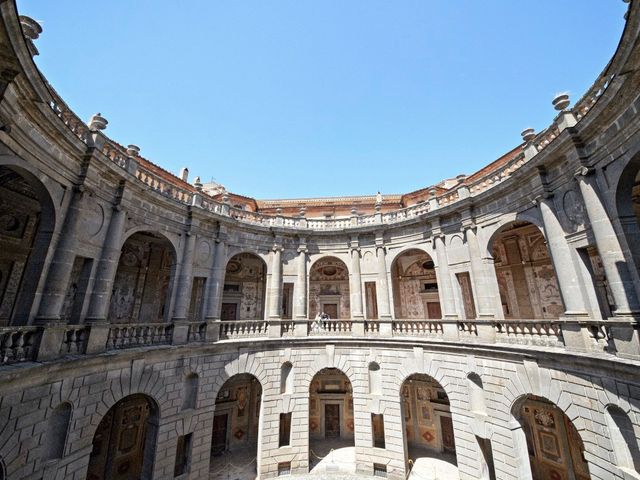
[183,291]
[300,305]
[614,263]
[275,291]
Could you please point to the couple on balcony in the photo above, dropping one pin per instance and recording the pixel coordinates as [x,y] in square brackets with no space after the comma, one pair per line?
[318,323]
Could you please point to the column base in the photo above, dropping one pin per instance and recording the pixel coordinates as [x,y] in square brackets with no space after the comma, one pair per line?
[275,327]
[51,342]
[213,329]
[97,341]
[300,327]
[180,331]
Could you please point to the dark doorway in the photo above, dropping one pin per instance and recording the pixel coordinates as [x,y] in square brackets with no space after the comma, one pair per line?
[331,421]
[219,435]
[448,440]
[331,309]
[229,311]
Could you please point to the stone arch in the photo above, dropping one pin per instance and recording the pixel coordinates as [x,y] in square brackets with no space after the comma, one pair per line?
[244,289]
[28,218]
[144,278]
[138,415]
[424,247]
[525,273]
[550,439]
[627,209]
[329,289]
[427,420]
[489,232]
[415,285]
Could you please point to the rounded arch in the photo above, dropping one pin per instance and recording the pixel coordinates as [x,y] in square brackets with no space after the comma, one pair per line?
[145,230]
[490,233]
[235,251]
[425,248]
[624,187]
[427,420]
[245,287]
[415,285]
[546,430]
[134,417]
[144,280]
[627,206]
[622,435]
[28,218]
[526,277]
[329,288]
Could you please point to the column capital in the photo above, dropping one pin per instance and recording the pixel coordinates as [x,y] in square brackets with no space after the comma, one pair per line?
[583,171]
[277,247]
[302,249]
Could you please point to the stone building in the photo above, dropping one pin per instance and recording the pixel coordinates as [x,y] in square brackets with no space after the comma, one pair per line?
[149,328]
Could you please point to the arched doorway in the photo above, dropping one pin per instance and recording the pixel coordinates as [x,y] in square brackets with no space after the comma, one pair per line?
[142,286]
[415,288]
[125,441]
[428,428]
[555,449]
[236,421]
[526,278]
[628,208]
[245,283]
[27,220]
[331,422]
[329,289]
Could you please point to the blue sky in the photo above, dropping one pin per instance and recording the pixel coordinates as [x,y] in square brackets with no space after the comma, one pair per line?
[299,98]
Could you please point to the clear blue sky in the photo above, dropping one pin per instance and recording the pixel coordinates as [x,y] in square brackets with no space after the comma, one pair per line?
[295,98]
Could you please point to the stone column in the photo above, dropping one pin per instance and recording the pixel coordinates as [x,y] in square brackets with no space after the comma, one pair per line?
[300,305]
[60,270]
[183,291]
[445,288]
[561,255]
[356,284]
[275,290]
[215,287]
[614,263]
[613,260]
[486,284]
[382,289]
[98,312]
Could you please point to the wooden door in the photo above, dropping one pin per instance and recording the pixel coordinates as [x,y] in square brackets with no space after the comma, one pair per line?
[331,421]
[448,440]
[433,310]
[331,309]
[219,435]
[229,311]
[118,446]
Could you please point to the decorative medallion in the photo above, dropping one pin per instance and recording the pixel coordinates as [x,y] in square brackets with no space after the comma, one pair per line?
[428,436]
[239,433]
[544,418]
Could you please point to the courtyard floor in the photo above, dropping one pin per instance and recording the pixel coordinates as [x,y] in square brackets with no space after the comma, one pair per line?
[334,459]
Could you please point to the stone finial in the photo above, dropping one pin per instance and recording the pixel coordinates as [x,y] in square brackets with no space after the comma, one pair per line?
[561,101]
[378,198]
[354,211]
[133,150]
[196,181]
[97,122]
[184,175]
[31,31]
[225,197]
[303,211]
[278,211]
[460,178]
[528,134]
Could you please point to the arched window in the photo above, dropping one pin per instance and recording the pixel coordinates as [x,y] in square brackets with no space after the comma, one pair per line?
[476,394]
[623,438]
[286,378]
[190,391]
[375,381]
[57,428]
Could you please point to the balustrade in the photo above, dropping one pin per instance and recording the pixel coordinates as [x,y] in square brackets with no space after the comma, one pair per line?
[138,335]
[18,344]
[547,333]
[230,329]
[197,332]
[330,327]
[371,327]
[74,340]
[417,328]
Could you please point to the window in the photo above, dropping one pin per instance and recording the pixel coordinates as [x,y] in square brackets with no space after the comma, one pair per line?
[380,470]
[284,468]
[57,429]
[285,429]
[377,427]
[183,452]
[190,391]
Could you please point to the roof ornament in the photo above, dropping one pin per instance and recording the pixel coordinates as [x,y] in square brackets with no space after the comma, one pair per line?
[31,31]
[561,101]
[97,122]
[528,134]
[133,150]
[184,174]
[196,182]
